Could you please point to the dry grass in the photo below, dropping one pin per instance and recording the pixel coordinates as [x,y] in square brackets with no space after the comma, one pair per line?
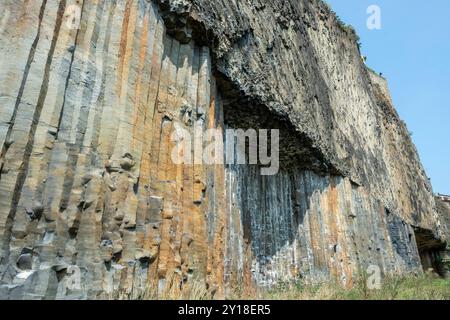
[424,287]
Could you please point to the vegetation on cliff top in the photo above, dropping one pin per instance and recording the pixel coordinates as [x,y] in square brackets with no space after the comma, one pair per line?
[347,28]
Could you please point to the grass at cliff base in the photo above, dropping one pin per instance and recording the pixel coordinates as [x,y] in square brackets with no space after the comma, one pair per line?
[422,287]
[425,287]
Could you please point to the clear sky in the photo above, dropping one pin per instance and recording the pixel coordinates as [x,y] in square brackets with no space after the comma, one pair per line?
[412,50]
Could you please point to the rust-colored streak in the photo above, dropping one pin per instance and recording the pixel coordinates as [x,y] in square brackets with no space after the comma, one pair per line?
[123,46]
[333,211]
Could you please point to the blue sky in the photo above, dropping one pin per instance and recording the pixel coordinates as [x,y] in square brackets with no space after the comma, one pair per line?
[412,50]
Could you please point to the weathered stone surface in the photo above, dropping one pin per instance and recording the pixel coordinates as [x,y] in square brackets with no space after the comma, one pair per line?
[439,257]
[333,228]
[91,203]
[309,70]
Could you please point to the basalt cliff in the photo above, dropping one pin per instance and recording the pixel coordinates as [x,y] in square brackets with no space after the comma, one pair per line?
[91,203]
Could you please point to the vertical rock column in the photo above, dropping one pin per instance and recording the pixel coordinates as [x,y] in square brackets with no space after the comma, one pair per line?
[302,225]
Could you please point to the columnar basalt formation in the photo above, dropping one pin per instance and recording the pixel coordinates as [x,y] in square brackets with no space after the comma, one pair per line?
[88,106]
[439,257]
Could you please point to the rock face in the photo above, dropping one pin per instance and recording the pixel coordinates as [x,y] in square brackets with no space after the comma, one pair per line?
[439,258]
[91,203]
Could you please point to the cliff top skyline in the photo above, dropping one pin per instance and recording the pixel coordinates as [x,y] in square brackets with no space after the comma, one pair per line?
[411,50]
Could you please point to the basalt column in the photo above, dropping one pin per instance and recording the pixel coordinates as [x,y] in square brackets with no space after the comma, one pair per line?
[304,226]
